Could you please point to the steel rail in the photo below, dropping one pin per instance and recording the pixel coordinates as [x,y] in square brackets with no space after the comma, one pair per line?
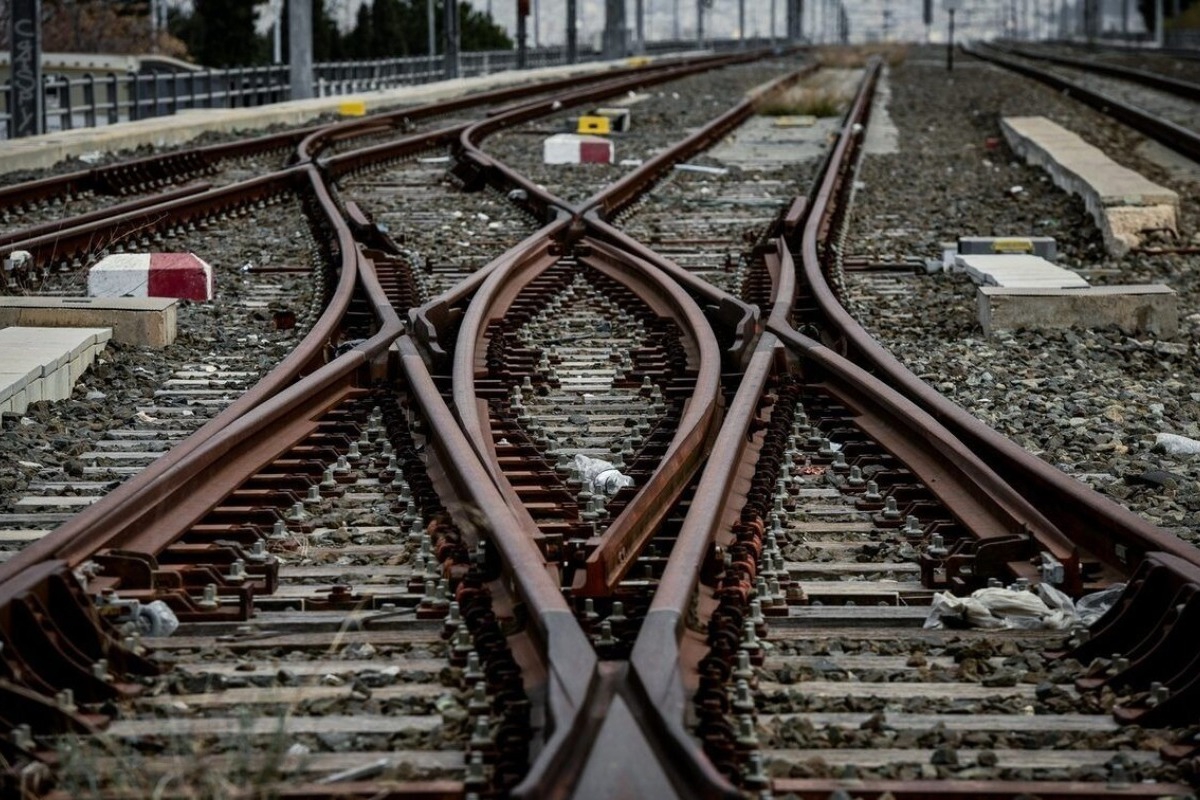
[136,174]
[64,246]
[477,169]
[72,536]
[620,545]
[618,196]
[658,661]
[303,144]
[55,226]
[569,661]
[312,145]
[1000,517]
[1180,139]
[1153,80]
[171,497]
[1104,530]
[736,321]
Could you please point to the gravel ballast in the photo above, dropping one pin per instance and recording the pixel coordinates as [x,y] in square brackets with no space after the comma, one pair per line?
[1090,402]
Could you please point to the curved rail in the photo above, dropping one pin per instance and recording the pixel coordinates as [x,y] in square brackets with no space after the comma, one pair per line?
[1105,530]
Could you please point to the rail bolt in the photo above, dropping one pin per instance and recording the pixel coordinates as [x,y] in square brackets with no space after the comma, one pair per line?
[209,600]
[22,737]
[237,572]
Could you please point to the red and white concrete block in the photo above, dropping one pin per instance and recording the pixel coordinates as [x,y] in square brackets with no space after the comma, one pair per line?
[573,148]
[182,275]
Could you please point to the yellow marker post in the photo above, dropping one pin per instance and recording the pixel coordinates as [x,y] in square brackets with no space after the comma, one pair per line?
[594,124]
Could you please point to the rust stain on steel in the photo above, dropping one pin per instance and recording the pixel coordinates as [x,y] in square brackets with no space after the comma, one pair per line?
[1173,135]
[1113,534]
[79,538]
[618,548]
[104,214]
[617,196]
[960,479]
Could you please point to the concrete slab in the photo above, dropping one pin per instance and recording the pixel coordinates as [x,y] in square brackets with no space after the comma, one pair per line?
[573,148]
[181,275]
[883,137]
[1123,202]
[1017,272]
[1150,308]
[146,321]
[44,363]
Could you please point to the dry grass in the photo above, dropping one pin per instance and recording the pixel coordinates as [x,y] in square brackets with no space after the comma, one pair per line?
[813,101]
[855,56]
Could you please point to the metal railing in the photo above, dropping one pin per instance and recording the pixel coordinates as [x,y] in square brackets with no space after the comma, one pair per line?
[90,100]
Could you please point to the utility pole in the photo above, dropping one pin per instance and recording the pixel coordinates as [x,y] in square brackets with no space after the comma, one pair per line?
[25,38]
[614,28]
[300,48]
[741,23]
[700,22]
[450,30]
[522,34]
[431,29]
[572,33]
[640,11]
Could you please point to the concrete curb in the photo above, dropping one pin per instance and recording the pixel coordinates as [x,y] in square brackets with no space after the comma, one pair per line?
[1122,202]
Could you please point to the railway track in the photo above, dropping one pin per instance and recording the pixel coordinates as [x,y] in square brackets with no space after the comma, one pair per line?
[1162,108]
[400,568]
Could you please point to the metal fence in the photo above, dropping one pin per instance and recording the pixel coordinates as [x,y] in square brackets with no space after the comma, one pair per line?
[89,100]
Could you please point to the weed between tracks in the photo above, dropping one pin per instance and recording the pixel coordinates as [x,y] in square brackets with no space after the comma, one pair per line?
[856,57]
[799,101]
[188,765]
[97,767]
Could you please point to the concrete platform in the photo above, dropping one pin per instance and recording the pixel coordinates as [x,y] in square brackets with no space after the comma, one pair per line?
[40,152]
[1017,272]
[145,321]
[1150,308]
[1123,202]
[44,363]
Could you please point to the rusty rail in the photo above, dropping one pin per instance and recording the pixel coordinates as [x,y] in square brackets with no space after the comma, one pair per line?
[1154,80]
[1178,138]
[618,548]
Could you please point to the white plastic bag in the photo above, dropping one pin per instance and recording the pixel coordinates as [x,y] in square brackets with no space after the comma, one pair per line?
[1092,607]
[600,476]
[1003,608]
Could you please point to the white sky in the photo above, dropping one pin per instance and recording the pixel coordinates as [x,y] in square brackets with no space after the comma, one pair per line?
[868,18]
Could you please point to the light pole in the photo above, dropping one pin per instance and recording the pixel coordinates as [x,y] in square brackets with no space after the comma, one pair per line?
[432,32]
